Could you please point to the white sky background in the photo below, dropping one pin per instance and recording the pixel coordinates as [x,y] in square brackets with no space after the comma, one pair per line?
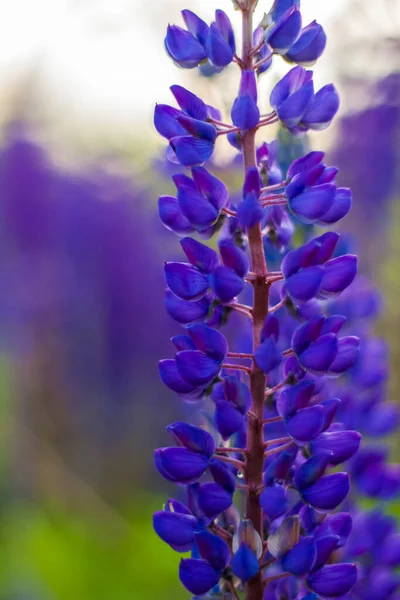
[102,62]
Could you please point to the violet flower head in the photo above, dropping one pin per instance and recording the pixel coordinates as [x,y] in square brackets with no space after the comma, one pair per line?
[274,418]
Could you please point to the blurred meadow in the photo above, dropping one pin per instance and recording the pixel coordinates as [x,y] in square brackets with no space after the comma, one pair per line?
[82,323]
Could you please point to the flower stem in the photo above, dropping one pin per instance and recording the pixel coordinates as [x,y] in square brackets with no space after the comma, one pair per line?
[255,435]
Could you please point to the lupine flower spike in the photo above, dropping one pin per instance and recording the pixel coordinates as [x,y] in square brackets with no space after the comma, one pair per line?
[277,422]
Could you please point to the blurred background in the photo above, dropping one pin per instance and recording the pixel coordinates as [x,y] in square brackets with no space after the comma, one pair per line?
[82,324]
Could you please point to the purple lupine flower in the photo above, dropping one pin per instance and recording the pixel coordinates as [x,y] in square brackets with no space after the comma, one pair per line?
[276,404]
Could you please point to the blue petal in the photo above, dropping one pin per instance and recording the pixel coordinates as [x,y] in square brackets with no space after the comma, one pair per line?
[306,424]
[304,284]
[213,549]
[342,445]
[310,45]
[176,529]
[191,104]
[280,7]
[274,501]
[196,367]
[285,32]
[320,354]
[245,113]
[238,393]
[339,209]
[325,547]
[183,342]
[245,563]
[305,163]
[171,215]
[212,188]
[222,474]
[197,27]
[307,333]
[339,524]
[322,110]
[293,108]
[313,203]
[250,212]
[185,281]
[301,558]
[252,182]
[312,469]
[227,419]
[294,398]
[225,27]
[233,256]
[213,499]
[226,284]
[339,274]
[209,340]
[267,356]
[328,492]
[197,575]
[333,580]
[199,255]
[184,311]
[291,82]
[197,128]
[183,47]
[191,151]
[193,438]
[218,49]
[180,464]
[170,377]
[166,121]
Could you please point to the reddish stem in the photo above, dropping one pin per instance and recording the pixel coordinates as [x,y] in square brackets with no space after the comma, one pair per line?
[240,355]
[237,367]
[232,461]
[255,434]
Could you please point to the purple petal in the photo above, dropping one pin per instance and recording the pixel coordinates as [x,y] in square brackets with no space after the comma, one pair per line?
[199,255]
[333,580]
[191,151]
[183,342]
[197,575]
[342,445]
[209,340]
[196,367]
[211,187]
[267,356]
[301,558]
[166,121]
[312,469]
[322,110]
[171,378]
[228,419]
[191,104]
[339,209]
[233,256]
[222,474]
[250,212]
[171,215]
[294,107]
[304,284]
[197,27]
[313,203]
[245,113]
[183,311]
[180,464]
[225,27]
[294,398]
[320,354]
[274,501]
[285,32]
[245,563]
[213,549]
[328,492]
[306,424]
[185,281]
[175,529]
[305,163]
[226,284]
[310,45]
[183,47]
[213,499]
[339,274]
[218,49]
[307,333]
[193,438]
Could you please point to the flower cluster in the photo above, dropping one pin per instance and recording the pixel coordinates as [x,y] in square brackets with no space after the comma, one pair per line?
[279,419]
